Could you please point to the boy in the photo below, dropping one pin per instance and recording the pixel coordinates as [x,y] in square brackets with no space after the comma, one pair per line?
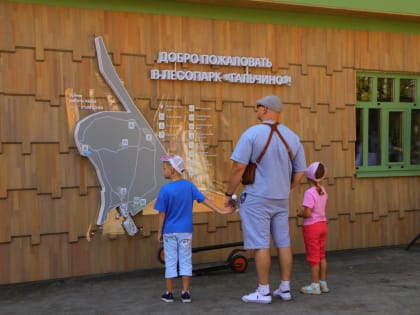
[174,203]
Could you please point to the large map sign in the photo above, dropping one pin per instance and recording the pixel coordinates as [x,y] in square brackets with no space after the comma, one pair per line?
[123,149]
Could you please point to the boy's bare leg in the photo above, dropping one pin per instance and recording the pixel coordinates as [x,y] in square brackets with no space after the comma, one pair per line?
[186,283]
[169,284]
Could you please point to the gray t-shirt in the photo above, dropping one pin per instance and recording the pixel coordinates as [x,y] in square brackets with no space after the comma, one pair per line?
[272,178]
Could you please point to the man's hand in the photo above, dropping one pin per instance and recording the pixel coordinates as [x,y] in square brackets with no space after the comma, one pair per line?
[229,206]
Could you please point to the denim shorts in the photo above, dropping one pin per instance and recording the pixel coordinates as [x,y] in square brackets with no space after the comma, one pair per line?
[178,251]
[262,219]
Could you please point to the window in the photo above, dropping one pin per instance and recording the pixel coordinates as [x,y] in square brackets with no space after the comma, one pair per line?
[387,125]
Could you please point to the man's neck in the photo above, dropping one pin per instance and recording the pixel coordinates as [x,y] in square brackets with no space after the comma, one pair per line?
[270,121]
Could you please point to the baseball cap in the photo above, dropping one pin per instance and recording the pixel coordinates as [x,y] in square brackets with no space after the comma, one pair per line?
[311,170]
[272,102]
[176,162]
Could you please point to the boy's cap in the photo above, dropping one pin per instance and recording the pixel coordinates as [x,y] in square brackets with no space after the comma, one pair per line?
[311,170]
[272,102]
[176,162]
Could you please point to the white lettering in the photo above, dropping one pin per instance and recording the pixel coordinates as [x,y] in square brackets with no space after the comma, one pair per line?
[156,74]
[187,57]
[226,77]
[217,77]
[272,80]
[236,61]
[263,79]
[220,60]
[93,107]
[172,57]
[204,76]
[244,61]
[250,79]
[189,75]
[204,59]
[197,76]
[90,101]
[180,75]
[213,59]
[162,57]
[235,77]
[228,60]
[180,57]
[194,58]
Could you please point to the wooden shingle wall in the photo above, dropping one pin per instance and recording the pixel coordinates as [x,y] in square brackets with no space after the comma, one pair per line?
[49,194]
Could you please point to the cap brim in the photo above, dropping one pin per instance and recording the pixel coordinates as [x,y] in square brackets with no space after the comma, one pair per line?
[165,158]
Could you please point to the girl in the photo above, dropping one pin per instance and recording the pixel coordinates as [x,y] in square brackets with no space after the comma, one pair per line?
[315,228]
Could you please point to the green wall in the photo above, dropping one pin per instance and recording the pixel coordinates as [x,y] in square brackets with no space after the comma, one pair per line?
[170,7]
[395,6]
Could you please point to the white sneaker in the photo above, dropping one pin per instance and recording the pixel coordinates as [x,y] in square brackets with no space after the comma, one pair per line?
[311,289]
[284,295]
[257,297]
[324,287]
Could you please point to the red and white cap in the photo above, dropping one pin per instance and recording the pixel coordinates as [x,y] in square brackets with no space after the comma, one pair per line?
[176,162]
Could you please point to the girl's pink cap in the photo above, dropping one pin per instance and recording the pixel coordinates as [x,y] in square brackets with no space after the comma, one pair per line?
[311,170]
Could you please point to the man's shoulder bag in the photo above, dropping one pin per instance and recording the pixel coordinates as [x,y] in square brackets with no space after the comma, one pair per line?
[248,176]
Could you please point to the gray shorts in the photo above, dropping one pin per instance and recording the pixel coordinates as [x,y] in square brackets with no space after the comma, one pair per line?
[262,219]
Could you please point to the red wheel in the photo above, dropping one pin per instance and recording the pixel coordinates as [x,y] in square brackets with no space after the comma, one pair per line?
[238,263]
[161,256]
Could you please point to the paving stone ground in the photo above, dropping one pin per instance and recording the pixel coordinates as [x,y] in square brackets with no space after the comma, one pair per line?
[366,281]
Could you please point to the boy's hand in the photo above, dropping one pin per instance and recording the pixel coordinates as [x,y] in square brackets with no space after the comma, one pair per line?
[228,209]
[225,210]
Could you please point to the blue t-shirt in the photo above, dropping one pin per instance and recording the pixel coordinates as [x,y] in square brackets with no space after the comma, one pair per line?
[176,200]
[273,174]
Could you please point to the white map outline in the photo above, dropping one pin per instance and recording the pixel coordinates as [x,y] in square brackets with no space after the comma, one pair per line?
[97,137]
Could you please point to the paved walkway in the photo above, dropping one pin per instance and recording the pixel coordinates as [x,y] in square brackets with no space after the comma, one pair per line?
[368,281]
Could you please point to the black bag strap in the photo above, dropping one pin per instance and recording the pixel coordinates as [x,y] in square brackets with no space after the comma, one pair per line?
[274,129]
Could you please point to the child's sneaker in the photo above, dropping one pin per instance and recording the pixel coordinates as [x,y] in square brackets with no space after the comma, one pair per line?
[313,288]
[284,295]
[324,286]
[257,297]
[167,297]
[185,297]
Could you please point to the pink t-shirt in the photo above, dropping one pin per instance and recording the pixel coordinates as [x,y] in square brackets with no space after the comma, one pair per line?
[317,203]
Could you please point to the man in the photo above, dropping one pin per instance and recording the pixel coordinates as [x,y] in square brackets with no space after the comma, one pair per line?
[264,207]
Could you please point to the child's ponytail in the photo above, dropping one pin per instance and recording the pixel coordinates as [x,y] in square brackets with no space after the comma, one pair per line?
[319,188]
